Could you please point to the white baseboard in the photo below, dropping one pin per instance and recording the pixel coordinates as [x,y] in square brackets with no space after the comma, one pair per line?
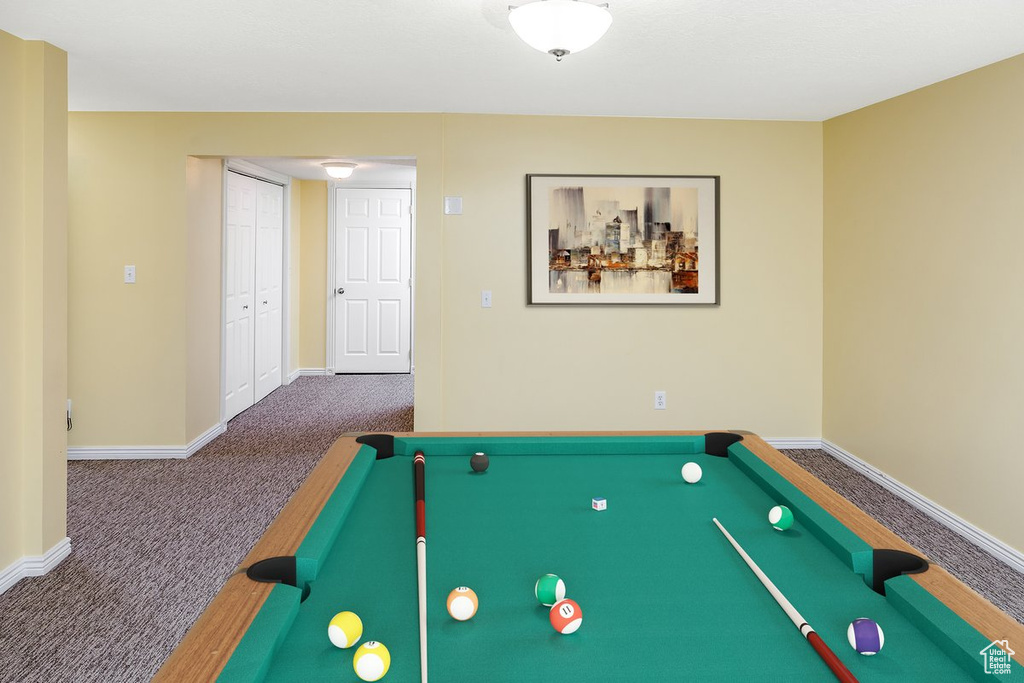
[146,452]
[126,452]
[794,443]
[205,438]
[292,376]
[313,372]
[34,565]
[992,545]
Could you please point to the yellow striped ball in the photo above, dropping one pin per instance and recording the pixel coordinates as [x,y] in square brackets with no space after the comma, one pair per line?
[345,629]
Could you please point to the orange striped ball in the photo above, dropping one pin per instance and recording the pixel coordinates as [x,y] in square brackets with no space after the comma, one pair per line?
[462,603]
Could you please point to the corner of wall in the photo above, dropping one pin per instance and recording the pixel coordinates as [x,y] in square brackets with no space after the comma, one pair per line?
[204,211]
[33,78]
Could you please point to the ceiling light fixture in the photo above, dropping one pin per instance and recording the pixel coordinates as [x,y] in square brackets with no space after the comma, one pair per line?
[560,27]
[339,169]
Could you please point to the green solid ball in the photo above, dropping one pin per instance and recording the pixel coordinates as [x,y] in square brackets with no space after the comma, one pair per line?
[780,517]
[549,589]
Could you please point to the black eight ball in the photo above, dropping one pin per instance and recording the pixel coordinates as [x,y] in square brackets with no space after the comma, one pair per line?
[479,462]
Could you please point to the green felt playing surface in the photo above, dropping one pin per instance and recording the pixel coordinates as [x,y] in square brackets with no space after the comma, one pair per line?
[664,596]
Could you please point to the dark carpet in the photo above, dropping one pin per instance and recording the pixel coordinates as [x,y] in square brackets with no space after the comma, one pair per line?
[154,540]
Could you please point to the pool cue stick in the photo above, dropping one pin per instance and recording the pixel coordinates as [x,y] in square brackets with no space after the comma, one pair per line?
[419,481]
[833,662]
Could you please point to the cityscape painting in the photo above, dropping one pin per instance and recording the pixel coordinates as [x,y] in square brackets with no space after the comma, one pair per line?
[623,239]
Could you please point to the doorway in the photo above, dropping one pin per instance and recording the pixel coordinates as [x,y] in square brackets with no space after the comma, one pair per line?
[371,242]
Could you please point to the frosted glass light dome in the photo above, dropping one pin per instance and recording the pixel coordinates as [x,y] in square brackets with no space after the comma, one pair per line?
[339,169]
[560,27]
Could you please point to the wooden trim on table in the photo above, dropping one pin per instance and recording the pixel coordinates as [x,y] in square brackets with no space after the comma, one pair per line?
[988,619]
[208,645]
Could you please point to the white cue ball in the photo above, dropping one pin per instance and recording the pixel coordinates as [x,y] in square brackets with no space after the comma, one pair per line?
[692,473]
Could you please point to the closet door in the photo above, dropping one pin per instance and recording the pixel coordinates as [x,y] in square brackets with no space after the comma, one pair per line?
[269,248]
[239,308]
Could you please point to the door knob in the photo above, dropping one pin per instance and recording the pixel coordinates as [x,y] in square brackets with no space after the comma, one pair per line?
[264,303]
[245,307]
[341,290]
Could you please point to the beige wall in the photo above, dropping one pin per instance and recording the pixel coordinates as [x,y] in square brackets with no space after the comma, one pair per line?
[562,367]
[12,306]
[520,367]
[204,189]
[721,366]
[127,354]
[135,363]
[33,275]
[924,374]
[313,281]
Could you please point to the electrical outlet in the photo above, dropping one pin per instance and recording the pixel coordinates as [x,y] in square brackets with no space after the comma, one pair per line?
[129,275]
[659,400]
[485,298]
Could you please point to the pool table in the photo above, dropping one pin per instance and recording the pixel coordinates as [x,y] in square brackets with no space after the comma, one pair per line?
[664,596]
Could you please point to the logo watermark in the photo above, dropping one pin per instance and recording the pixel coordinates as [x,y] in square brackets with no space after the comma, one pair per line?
[997,657]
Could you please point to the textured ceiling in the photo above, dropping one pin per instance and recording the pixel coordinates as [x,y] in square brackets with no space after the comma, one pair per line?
[741,59]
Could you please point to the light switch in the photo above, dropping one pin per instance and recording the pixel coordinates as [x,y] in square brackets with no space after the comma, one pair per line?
[453,206]
[129,275]
[485,298]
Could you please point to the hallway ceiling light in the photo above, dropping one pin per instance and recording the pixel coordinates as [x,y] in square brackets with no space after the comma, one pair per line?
[339,169]
[560,27]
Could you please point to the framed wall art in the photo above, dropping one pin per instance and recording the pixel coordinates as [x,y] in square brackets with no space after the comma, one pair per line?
[600,239]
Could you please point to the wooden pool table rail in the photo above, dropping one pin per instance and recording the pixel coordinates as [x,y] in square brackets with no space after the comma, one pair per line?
[989,620]
[208,645]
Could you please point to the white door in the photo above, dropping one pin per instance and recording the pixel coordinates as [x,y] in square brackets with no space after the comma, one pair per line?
[373,273]
[269,246]
[239,311]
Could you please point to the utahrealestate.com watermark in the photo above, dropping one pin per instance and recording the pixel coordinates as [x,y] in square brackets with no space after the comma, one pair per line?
[997,657]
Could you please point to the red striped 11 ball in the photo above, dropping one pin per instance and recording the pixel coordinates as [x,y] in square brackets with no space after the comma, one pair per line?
[566,616]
